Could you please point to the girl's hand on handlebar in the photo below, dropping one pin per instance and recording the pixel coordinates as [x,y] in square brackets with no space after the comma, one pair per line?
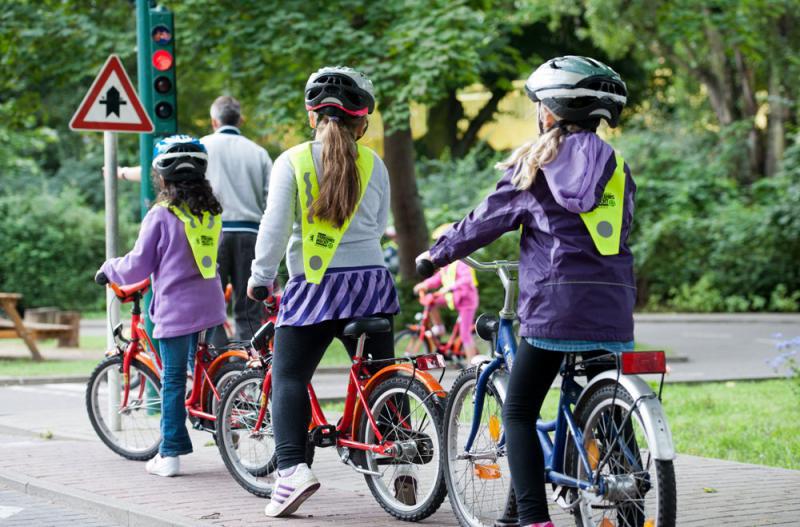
[259,293]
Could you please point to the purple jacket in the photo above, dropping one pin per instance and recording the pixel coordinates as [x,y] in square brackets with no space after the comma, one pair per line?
[567,289]
[183,301]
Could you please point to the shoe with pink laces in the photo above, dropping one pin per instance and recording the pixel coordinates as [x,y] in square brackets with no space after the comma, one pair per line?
[545,524]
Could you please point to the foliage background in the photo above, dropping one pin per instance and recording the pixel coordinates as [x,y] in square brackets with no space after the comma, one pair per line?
[711,131]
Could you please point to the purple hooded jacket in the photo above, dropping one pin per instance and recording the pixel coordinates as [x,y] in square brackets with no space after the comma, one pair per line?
[183,301]
[567,289]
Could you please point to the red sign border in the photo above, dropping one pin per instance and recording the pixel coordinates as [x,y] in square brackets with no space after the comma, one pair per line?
[79,122]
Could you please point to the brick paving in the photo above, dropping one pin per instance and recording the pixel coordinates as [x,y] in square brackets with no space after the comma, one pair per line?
[21,510]
[710,492]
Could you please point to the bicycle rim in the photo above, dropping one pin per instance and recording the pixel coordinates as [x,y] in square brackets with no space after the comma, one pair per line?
[248,453]
[641,489]
[478,488]
[410,488]
[407,343]
[133,431]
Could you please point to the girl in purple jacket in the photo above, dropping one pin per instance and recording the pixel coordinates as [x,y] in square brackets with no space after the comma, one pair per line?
[177,245]
[573,197]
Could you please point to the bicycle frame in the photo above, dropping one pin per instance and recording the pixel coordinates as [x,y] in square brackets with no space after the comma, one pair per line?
[453,344]
[204,365]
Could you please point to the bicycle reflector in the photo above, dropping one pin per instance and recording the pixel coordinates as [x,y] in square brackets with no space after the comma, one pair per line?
[433,361]
[636,362]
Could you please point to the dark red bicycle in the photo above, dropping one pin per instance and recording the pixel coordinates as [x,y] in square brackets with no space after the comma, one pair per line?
[389,430]
[123,396]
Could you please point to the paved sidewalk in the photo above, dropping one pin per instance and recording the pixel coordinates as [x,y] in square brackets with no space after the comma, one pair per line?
[710,492]
[21,510]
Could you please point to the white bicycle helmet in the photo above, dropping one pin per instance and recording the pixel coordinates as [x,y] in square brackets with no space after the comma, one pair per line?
[578,89]
[332,90]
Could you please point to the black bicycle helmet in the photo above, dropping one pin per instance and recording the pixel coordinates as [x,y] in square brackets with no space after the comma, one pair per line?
[180,158]
[578,89]
[332,90]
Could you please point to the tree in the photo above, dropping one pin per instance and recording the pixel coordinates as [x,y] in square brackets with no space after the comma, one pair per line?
[735,49]
[412,50]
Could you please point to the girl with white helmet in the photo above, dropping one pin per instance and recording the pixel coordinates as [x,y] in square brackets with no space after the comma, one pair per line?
[573,197]
[327,208]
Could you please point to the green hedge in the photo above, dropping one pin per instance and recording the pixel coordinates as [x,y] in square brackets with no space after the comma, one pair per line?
[52,246]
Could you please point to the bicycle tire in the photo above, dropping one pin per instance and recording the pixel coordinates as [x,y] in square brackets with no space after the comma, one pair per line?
[403,341]
[222,377]
[99,422]
[459,401]
[427,442]
[659,510]
[254,478]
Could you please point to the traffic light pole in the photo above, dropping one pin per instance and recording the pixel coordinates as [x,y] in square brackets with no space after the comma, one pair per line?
[146,194]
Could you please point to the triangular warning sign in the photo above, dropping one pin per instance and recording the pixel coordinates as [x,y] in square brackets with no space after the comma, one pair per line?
[111,105]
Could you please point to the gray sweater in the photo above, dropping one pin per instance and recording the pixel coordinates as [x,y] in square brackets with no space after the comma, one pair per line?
[360,245]
[238,170]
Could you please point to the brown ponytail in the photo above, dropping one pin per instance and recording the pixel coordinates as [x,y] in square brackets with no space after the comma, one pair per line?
[340,188]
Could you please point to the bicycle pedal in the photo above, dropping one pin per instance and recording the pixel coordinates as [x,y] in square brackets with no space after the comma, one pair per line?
[323,435]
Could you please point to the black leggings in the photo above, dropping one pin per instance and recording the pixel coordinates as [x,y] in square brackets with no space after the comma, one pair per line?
[298,350]
[532,375]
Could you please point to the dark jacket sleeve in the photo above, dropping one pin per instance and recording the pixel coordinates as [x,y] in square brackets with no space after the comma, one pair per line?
[503,210]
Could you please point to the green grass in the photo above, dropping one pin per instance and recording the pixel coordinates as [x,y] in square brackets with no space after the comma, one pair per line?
[19,367]
[751,422]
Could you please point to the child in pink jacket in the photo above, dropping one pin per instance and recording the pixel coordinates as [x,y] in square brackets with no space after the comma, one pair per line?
[457,288]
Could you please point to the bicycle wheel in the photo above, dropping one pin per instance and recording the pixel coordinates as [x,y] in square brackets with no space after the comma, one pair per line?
[249,455]
[640,490]
[478,484]
[407,343]
[222,377]
[409,487]
[133,431]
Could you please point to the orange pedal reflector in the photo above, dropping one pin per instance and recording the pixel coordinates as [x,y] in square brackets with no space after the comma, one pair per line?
[494,428]
[491,471]
[650,523]
[606,523]
[593,452]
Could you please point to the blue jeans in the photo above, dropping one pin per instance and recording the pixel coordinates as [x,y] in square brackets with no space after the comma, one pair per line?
[175,359]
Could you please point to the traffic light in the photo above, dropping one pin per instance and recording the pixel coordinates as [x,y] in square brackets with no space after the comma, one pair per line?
[162,67]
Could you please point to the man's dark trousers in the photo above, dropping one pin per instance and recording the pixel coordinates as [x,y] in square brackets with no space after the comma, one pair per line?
[236,253]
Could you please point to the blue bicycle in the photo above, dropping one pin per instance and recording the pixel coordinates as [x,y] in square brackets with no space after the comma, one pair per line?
[608,452]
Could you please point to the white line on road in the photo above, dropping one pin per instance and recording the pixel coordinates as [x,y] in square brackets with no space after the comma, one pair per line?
[7,511]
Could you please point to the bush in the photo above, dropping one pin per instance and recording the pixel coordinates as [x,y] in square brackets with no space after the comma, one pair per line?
[52,246]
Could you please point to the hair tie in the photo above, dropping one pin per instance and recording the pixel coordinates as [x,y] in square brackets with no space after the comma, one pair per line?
[333,118]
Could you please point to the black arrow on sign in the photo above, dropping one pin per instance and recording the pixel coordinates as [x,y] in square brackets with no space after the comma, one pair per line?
[112,101]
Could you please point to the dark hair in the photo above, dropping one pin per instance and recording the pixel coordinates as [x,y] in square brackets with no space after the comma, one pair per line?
[340,189]
[196,194]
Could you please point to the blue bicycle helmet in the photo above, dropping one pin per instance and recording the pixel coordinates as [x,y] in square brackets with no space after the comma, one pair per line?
[180,158]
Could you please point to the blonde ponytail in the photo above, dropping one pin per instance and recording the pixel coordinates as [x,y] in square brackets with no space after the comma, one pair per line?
[340,188]
[530,157]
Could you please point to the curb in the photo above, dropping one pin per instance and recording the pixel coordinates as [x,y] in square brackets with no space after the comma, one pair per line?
[118,511]
[56,379]
[717,318]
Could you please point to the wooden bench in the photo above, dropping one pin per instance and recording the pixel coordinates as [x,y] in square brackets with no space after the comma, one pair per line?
[63,326]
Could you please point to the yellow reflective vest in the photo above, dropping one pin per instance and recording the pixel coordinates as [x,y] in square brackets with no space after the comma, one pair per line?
[605,220]
[203,236]
[320,237]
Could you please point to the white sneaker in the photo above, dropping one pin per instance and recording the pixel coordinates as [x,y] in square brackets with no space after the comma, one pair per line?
[291,489]
[164,466]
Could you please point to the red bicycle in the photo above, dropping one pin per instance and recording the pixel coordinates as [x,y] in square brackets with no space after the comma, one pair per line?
[389,430]
[419,338]
[123,396]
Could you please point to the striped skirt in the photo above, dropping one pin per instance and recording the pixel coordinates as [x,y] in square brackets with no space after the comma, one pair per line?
[345,292]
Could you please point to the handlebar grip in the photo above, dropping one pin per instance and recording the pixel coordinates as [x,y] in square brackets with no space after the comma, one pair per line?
[100,278]
[260,293]
[425,268]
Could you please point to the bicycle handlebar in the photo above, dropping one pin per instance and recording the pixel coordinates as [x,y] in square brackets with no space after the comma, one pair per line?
[425,268]
[100,278]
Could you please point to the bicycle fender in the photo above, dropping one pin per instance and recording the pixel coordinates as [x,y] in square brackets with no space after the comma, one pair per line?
[499,381]
[148,363]
[650,410]
[217,364]
[430,383]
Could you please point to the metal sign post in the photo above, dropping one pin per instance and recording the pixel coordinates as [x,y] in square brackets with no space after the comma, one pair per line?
[112,249]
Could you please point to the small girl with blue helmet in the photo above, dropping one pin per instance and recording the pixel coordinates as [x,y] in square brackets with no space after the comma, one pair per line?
[177,246]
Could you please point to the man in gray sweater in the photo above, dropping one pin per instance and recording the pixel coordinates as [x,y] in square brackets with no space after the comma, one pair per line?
[238,170]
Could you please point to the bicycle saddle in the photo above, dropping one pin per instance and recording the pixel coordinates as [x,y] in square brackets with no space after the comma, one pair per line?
[125,293]
[369,325]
